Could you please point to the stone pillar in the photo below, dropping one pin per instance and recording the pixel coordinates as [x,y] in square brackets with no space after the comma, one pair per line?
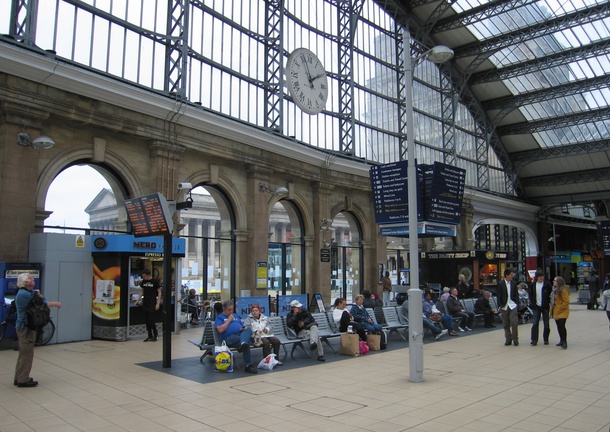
[258,226]
[19,169]
[319,272]
[165,158]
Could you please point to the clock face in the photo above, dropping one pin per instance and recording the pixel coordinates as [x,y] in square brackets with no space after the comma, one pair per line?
[307,81]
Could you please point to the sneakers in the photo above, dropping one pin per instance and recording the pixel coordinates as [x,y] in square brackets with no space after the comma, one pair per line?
[154,339]
[321,358]
[468,328]
[148,339]
[250,368]
[279,363]
[441,334]
[453,333]
[242,348]
[313,346]
[461,329]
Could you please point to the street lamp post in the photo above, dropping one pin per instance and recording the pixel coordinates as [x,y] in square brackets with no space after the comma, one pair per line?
[438,54]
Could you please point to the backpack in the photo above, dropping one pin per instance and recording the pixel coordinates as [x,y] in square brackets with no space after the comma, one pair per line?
[37,313]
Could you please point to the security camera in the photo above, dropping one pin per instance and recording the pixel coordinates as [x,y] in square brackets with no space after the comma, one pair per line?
[184,185]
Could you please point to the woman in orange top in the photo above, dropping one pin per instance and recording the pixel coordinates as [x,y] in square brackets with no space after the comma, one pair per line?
[560,309]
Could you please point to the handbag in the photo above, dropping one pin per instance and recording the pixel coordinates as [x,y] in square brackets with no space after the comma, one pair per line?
[363,347]
[373,341]
[348,344]
[223,358]
[257,340]
[436,317]
[268,363]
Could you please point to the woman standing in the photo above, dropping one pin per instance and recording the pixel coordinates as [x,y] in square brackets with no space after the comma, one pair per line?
[560,309]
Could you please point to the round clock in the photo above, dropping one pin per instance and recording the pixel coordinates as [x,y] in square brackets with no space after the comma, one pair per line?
[307,81]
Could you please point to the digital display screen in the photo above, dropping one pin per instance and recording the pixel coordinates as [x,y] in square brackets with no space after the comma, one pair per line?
[149,215]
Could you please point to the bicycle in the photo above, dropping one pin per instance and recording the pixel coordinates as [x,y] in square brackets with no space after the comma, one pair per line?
[43,336]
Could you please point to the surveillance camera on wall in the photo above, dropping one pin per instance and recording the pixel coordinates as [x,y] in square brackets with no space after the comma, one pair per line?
[184,185]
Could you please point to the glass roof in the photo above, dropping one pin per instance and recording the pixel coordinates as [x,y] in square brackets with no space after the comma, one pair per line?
[565,26]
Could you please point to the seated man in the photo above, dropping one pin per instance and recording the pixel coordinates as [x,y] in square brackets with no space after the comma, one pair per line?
[305,326]
[483,306]
[235,334]
[455,309]
[432,314]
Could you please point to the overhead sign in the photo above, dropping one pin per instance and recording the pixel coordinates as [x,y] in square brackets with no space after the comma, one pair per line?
[604,229]
[444,192]
[424,229]
[390,195]
[149,215]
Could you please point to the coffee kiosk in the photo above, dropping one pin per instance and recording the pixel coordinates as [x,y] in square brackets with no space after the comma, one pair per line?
[118,261]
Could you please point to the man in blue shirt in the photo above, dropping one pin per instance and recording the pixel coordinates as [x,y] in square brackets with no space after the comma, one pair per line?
[235,334]
[27,337]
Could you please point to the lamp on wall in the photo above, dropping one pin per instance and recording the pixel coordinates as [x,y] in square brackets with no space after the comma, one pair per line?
[40,143]
[281,190]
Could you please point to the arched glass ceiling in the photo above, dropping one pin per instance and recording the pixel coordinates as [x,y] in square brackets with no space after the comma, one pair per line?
[556,27]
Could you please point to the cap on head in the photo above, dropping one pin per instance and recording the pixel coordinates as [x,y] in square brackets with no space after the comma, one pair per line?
[296,303]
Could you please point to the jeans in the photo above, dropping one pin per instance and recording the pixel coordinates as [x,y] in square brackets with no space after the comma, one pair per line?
[447,322]
[428,323]
[545,321]
[371,327]
[467,318]
[236,339]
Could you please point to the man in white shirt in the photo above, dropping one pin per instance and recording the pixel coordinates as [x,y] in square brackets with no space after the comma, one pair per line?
[508,299]
[540,299]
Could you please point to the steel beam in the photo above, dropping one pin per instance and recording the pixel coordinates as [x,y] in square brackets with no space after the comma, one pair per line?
[177,47]
[523,158]
[274,80]
[24,16]
[555,122]
[566,178]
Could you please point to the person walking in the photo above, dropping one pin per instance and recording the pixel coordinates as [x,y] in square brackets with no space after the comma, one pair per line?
[386,285]
[560,309]
[26,337]
[540,301]
[508,300]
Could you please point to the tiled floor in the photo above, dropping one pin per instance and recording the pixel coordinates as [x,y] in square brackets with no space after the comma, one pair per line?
[472,383]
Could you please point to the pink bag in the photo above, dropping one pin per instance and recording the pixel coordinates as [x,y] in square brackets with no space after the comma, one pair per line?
[364,348]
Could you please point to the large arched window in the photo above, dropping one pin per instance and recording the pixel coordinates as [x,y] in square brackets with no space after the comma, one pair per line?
[346,257]
[286,256]
[210,246]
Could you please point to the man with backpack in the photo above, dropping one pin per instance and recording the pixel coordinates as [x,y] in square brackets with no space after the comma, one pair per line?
[25,335]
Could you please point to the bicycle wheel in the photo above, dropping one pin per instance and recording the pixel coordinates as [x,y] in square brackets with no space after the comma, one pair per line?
[45,334]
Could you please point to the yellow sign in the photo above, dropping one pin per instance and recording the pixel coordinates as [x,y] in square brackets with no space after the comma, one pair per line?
[261,274]
[80,241]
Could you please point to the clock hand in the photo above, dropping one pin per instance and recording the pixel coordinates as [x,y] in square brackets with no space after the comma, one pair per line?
[317,76]
[307,70]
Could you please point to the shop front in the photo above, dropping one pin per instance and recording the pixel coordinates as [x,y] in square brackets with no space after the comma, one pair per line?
[118,262]
[482,270]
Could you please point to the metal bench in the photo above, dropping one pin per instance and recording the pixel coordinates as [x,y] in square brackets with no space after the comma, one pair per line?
[280,331]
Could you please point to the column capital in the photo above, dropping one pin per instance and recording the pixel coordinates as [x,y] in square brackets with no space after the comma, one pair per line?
[165,149]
